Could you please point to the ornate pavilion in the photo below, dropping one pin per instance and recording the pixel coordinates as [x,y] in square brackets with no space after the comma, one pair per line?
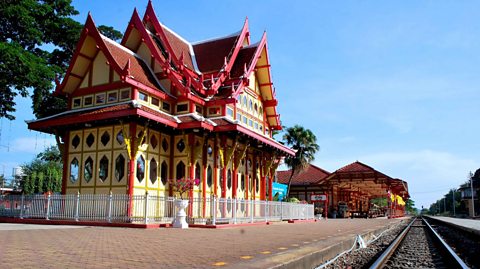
[156,107]
[349,189]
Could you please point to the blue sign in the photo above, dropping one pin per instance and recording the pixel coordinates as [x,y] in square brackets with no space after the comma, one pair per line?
[279,190]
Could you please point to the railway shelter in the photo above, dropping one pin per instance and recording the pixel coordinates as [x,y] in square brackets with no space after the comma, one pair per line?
[349,190]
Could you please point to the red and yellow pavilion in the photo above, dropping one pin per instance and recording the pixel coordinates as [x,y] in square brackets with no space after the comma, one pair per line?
[155,107]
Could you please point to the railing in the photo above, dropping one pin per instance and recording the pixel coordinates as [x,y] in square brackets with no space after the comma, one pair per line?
[146,209]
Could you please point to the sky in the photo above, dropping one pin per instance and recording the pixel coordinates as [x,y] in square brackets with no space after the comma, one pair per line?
[393,84]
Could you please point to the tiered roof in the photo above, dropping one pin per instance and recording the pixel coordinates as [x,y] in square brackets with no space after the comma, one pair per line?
[150,55]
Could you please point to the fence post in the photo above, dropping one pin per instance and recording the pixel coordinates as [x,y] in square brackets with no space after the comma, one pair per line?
[281,210]
[47,217]
[252,210]
[110,208]
[22,205]
[145,213]
[77,205]
[214,210]
[266,209]
[235,211]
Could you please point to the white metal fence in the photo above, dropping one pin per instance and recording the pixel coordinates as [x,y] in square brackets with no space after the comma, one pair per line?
[148,209]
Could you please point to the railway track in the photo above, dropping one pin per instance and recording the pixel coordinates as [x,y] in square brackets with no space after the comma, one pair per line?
[419,246]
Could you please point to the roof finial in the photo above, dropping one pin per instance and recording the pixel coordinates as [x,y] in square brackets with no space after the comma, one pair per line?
[126,69]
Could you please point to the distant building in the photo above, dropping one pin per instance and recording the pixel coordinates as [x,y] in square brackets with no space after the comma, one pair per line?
[466,191]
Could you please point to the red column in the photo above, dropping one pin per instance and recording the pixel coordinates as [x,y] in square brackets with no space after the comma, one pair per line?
[224,169]
[235,176]
[215,167]
[247,178]
[66,145]
[263,183]
[204,176]
[270,184]
[191,168]
[131,163]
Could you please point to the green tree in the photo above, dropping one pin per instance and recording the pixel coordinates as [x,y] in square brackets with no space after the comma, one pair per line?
[304,142]
[381,201]
[44,173]
[3,181]
[37,40]
[410,207]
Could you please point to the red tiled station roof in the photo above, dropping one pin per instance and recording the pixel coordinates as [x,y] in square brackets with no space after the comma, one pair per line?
[310,175]
[359,176]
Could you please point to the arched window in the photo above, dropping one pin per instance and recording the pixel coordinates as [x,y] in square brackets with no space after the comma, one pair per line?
[140,168]
[250,106]
[180,170]
[74,170]
[88,170]
[153,170]
[119,167]
[229,179]
[198,172]
[103,168]
[164,173]
[209,176]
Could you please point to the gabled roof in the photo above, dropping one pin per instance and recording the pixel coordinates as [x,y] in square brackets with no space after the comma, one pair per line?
[360,176]
[126,63]
[210,55]
[243,61]
[311,175]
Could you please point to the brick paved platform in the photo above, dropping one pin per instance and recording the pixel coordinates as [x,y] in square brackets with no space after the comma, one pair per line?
[281,245]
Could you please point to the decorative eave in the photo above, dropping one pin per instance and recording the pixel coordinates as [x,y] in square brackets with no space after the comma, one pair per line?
[230,59]
[190,75]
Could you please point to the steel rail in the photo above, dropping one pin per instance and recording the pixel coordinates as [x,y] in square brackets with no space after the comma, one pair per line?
[391,249]
[455,259]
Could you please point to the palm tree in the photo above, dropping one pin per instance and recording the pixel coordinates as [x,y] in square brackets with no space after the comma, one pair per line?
[304,142]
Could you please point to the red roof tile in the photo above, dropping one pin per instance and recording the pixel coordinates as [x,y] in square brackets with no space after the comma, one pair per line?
[244,57]
[356,167]
[210,55]
[179,46]
[158,114]
[310,175]
[138,68]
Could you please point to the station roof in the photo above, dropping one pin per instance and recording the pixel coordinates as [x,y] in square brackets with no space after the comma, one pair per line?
[310,175]
[360,177]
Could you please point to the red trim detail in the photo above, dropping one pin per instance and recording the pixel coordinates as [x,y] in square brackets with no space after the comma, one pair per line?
[66,140]
[99,88]
[270,103]
[236,127]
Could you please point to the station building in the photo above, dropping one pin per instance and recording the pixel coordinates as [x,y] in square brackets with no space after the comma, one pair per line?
[156,107]
[349,189]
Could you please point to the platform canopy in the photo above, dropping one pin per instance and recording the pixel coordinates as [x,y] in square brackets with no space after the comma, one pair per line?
[364,179]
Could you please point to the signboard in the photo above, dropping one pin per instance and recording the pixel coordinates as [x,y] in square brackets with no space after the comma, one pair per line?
[318,197]
[279,190]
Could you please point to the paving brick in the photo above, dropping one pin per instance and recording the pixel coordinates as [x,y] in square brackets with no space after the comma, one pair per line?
[101,247]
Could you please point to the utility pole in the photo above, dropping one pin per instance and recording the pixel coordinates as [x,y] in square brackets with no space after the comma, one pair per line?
[453,201]
[444,205]
[473,200]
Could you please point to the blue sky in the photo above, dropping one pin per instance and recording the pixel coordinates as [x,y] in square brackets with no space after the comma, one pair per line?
[393,84]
